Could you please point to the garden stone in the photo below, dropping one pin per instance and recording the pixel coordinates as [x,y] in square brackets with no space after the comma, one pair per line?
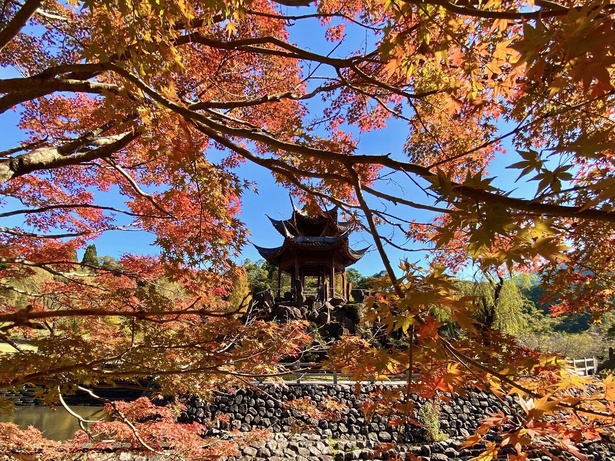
[250,451]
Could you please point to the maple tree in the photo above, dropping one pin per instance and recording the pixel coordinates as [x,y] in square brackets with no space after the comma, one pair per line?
[162,101]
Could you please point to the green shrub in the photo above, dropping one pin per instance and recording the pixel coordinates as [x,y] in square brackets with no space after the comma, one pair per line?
[353,312]
[429,414]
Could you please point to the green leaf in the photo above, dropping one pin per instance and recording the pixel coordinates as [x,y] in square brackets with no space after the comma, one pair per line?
[531,162]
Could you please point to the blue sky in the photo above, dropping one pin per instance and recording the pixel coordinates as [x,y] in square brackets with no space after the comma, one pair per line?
[272,199]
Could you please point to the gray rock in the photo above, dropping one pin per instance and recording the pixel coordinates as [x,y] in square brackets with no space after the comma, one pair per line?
[337,301]
[271,444]
[250,451]
[439,457]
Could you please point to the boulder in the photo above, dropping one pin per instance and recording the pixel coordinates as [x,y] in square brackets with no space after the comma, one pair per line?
[337,301]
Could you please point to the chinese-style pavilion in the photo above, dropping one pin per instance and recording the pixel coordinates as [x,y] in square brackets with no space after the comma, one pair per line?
[314,246]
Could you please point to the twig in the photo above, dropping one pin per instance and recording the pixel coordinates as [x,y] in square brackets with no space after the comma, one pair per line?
[82,421]
[124,419]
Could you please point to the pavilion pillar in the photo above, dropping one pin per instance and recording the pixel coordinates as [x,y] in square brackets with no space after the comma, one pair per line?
[344,286]
[332,295]
[296,276]
[302,277]
[279,295]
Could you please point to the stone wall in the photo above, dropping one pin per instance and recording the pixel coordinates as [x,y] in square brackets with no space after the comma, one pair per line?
[311,447]
[267,407]
[299,436]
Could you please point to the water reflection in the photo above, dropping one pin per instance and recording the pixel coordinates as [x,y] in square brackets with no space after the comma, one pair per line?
[55,423]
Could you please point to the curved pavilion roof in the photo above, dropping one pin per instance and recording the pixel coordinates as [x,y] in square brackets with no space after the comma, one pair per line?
[310,238]
[301,223]
[312,245]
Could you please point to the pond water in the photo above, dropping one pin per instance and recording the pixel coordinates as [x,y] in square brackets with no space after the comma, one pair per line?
[55,423]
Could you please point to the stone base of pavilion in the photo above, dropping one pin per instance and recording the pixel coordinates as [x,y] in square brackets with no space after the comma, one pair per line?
[334,317]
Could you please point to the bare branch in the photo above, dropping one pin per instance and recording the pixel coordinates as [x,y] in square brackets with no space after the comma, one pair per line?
[82,421]
[262,99]
[48,15]
[24,316]
[71,206]
[9,341]
[374,230]
[5,154]
[17,233]
[512,15]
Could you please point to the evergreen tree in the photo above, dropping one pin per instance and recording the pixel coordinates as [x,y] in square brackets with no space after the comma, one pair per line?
[90,257]
[260,275]
[355,277]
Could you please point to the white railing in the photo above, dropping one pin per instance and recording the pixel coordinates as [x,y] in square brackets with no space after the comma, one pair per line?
[311,373]
[584,367]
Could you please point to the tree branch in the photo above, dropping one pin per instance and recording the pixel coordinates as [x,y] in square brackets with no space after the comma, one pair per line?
[24,316]
[124,419]
[577,212]
[512,15]
[137,189]
[70,206]
[26,89]
[11,231]
[262,100]
[18,22]
[47,158]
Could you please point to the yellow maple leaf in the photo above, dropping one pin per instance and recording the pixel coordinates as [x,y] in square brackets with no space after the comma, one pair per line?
[491,452]
[609,388]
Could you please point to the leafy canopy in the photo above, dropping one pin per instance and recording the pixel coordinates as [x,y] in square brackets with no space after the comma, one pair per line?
[161,101]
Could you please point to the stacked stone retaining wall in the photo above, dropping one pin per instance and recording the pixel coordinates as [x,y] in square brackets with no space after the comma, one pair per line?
[267,407]
[352,436]
[298,436]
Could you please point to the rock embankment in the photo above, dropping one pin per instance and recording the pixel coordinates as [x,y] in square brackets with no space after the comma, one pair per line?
[311,447]
[347,434]
[271,407]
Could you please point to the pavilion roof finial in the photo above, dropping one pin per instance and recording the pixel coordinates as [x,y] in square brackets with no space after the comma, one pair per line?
[293,203]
